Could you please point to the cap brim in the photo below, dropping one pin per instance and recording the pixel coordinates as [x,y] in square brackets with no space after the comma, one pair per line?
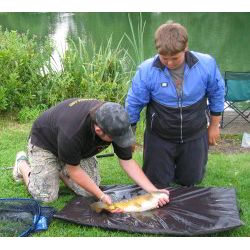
[126,140]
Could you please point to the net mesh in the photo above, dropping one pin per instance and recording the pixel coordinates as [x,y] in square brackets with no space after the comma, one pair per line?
[20,217]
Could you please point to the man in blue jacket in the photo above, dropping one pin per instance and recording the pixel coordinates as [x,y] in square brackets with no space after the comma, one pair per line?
[184,94]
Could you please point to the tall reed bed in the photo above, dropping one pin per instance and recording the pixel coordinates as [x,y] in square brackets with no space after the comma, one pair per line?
[89,72]
[136,39]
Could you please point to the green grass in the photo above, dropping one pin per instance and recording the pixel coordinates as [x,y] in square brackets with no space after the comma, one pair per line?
[222,171]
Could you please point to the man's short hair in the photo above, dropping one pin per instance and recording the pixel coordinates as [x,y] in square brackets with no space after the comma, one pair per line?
[171,38]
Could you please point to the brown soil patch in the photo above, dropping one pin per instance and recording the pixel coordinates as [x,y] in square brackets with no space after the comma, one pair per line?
[228,146]
[224,145]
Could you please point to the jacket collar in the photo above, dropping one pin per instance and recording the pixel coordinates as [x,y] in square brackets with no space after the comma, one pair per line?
[190,60]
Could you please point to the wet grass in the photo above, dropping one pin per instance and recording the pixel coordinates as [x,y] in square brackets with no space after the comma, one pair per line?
[222,171]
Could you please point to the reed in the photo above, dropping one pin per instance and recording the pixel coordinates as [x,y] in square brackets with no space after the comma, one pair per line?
[136,39]
[90,72]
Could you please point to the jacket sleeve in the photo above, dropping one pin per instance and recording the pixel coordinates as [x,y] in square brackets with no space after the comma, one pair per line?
[215,89]
[138,95]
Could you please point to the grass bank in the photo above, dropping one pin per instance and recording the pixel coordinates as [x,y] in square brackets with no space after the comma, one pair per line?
[222,171]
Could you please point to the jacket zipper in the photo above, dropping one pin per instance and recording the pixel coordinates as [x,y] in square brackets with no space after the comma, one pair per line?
[179,96]
[179,103]
[152,119]
[181,117]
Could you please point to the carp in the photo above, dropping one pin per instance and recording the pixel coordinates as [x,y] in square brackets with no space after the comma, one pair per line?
[138,203]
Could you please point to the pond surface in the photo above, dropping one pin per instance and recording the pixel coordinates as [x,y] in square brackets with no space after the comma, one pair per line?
[226,36]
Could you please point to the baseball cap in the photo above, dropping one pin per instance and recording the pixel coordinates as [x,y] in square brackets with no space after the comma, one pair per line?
[114,121]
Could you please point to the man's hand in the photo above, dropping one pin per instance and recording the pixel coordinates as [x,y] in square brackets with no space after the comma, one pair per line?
[213,134]
[117,211]
[163,201]
[214,129]
[106,199]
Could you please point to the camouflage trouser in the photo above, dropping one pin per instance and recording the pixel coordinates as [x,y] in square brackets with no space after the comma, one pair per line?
[45,173]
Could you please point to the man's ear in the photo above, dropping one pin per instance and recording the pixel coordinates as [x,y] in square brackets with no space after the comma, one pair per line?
[98,130]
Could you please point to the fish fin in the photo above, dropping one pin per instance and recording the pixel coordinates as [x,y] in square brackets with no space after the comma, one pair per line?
[98,206]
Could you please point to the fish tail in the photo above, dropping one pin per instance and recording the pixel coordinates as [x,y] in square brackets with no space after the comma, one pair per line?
[98,206]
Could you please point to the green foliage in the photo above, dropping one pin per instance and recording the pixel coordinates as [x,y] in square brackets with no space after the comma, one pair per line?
[27,114]
[28,81]
[21,59]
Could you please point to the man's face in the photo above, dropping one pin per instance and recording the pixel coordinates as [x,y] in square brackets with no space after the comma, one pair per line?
[105,137]
[100,133]
[173,61]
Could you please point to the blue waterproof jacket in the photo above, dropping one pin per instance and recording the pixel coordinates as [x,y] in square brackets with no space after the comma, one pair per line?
[172,115]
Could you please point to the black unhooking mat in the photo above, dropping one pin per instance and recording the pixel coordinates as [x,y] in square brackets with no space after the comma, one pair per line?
[191,211]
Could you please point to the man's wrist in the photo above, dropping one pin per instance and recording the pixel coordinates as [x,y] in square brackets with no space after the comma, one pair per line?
[102,196]
[217,125]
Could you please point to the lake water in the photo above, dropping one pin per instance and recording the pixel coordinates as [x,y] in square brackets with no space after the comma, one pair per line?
[225,36]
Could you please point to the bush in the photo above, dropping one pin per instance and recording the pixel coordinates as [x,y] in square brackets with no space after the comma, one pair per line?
[30,114]
[21,59]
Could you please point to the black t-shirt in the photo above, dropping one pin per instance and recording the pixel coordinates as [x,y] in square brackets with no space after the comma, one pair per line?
[67,131]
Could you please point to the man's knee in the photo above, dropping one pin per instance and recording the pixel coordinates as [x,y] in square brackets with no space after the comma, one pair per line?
[190,180]
[42,196]
[44,187]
